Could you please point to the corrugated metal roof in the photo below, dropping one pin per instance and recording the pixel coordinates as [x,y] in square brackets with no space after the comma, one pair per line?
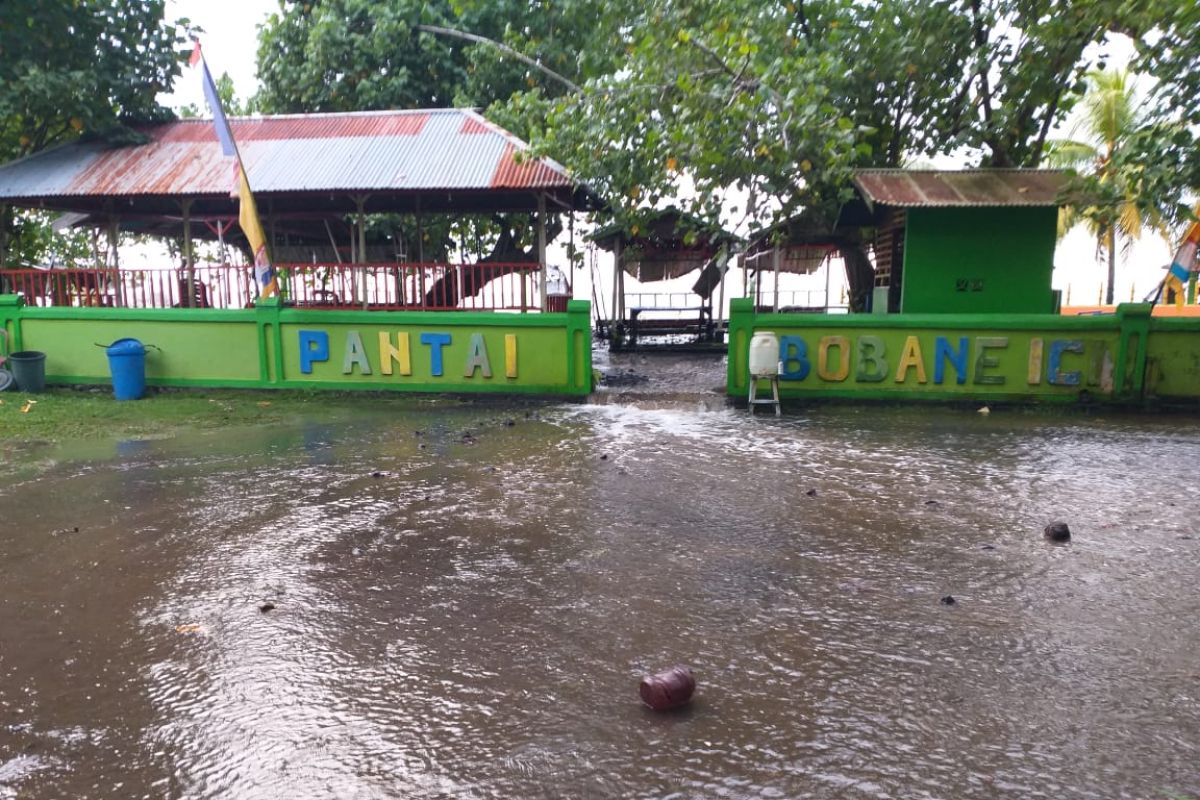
[974,187]
[399,151]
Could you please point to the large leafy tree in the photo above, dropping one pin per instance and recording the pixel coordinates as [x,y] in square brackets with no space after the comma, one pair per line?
[783,99]
[778,102]
[765,107]
[358,55]
[71,68]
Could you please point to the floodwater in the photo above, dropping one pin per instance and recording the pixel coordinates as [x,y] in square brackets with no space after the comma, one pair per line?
[466,595]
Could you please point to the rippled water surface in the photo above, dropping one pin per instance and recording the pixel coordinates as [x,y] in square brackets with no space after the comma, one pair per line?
[464,598]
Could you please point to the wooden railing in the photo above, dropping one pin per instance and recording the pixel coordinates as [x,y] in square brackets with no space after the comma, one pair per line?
[475,287]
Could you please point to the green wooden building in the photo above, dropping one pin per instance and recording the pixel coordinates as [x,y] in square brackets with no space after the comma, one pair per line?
[963,242]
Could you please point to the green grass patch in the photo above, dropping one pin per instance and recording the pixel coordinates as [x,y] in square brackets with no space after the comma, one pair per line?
[62,414]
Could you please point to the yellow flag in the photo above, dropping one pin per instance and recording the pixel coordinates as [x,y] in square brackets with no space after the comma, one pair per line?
[264,272]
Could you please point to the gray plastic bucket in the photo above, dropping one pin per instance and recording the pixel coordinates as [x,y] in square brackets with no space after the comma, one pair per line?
[29,369]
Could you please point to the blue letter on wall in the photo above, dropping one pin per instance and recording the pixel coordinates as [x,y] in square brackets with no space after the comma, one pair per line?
[1054,363]
[793,353]
[943,352]
[314,346]
[436,342]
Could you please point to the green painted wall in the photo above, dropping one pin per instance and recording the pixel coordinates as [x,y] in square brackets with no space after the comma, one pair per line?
[979,261]
[224,351]
[1173,358]
[276,346]
[1123,358]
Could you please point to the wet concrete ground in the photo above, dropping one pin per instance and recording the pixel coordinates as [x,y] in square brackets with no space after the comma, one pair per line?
[458,600]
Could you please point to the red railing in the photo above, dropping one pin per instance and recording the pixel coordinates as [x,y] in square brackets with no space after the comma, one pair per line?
[475,287]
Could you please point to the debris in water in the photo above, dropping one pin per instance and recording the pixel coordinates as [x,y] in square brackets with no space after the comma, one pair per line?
[811,493]
[671,688]
[418,433]
[377,474]
[263,403]
[508,423]
[1058,532]
[985,410]
[604,456]
[932,503]
[987,547]
[265,607]
[191,627]
[949,600]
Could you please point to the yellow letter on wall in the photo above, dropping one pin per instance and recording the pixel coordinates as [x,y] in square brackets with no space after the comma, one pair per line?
[400,352]
[843,350]
[510,355]
[911,357]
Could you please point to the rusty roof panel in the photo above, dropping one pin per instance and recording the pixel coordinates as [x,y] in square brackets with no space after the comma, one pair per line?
[298,126]
[528,174]
[977,187]
[449,149]
[930,188]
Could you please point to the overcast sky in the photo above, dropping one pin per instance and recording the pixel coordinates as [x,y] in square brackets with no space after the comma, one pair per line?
[230,40]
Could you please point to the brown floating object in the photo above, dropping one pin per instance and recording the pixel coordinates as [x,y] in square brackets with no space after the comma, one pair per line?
[1058,532]
[671,688]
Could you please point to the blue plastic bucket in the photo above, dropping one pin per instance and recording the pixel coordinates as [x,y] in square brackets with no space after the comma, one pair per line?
[127,362]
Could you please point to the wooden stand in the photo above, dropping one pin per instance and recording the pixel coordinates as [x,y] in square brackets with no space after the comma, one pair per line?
[772,400]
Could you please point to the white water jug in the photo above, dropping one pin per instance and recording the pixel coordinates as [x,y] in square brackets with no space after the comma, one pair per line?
[764,354]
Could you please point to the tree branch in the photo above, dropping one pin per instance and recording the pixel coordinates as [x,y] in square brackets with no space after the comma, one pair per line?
[803,18]
[999,154]
[524,59]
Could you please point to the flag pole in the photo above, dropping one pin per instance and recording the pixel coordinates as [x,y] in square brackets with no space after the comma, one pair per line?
[265,278]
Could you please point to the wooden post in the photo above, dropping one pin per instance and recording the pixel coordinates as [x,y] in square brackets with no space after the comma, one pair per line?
[189,263]
[828,276]
[776,258]
[723,260]
[541,245]
[421,254]
[621,287]
[571,250]
[114,240]
[420,235]
[617,267]
[361,202]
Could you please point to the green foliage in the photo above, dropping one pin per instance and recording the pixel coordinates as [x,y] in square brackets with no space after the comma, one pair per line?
[781,101]
[1116,193]
[70,68]
[31,241]
[356,55]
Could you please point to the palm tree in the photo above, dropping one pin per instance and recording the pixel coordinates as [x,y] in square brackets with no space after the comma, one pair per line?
[1111,203]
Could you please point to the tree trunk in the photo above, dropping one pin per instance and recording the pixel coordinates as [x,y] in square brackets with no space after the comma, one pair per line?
[859,274]
[507,256]
[1112,264]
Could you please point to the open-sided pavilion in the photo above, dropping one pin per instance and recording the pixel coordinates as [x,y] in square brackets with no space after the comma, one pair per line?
[316,179]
